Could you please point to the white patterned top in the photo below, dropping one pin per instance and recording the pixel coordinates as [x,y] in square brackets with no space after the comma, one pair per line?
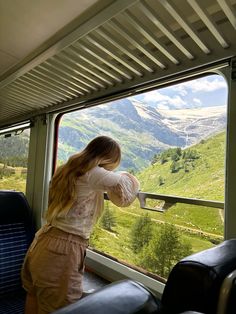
[121,187]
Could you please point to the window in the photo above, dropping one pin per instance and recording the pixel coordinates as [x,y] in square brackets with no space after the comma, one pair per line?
[14,148]
[173,140]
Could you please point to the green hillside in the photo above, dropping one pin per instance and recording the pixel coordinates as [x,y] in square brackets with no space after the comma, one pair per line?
[204,177]
[204,180]
[12,178]
[200,226]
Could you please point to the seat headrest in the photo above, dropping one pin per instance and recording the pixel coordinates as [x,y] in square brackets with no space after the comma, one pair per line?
[13,207]
[194,282]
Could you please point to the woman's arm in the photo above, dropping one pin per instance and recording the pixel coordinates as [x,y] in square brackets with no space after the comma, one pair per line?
[125,192]
[121,187]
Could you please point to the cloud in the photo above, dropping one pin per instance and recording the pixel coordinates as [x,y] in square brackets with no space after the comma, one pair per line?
[163,107]
[204,85]
[162,100]
[197,101]
[180,89]
[205,91]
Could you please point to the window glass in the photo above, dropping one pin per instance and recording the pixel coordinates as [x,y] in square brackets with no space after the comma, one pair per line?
[14,148]
[173,140]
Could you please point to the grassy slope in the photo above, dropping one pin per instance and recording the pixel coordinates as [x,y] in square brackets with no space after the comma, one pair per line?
[205,180]
[16,181]
[13,183]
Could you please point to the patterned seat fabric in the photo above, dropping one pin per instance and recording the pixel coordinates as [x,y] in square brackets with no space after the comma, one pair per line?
[16,233]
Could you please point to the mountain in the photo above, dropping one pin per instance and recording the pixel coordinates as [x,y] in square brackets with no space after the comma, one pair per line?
[14,150]
[142,130]
[196,124]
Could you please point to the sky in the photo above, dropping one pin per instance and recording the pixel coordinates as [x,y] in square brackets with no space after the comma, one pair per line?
[207,91]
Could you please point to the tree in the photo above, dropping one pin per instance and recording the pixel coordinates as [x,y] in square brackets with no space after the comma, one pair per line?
[155,159]
[141,233]
[108,220]
[131,171]
[164,157]
[186,167]
[191,154]
[6,172]
[174,167]
[164,251]
[175,157]
[161,180]
[178,151]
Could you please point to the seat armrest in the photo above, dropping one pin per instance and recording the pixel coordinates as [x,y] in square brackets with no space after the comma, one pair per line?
[226,303]
[126,297]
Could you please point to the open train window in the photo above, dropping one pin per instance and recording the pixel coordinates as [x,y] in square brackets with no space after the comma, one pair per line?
[173,140]
[14,149]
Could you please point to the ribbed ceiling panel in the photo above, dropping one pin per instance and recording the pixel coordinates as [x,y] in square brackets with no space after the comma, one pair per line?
[147,41]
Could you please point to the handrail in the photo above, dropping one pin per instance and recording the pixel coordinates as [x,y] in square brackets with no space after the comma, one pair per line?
[171,200]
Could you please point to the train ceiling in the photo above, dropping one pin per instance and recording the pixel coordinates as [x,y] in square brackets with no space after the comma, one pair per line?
[66,53]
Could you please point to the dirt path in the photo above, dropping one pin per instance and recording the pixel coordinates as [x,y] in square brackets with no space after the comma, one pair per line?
[188,229]
[221,213]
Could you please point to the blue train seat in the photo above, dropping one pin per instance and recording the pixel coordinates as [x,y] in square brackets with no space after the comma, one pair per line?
[16,233]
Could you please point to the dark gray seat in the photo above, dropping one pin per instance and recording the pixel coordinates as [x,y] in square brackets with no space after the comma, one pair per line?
[191,312]
[227,298]
[194,282]
[16,233]
[122,297]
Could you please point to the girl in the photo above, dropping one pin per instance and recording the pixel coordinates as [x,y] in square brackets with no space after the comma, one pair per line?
[53,269]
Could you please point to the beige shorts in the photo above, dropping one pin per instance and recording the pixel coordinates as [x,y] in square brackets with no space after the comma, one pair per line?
[53,269]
